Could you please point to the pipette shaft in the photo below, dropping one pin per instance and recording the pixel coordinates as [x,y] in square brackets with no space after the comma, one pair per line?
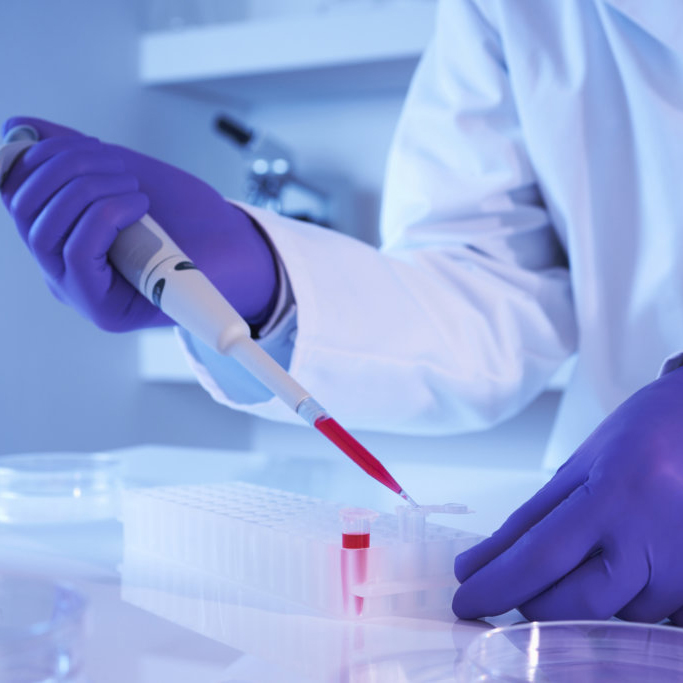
[154,264]
[151,261]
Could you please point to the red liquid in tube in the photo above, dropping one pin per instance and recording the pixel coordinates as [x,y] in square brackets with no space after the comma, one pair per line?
[355,541]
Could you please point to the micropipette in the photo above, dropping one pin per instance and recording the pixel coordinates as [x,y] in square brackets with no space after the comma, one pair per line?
[149,259]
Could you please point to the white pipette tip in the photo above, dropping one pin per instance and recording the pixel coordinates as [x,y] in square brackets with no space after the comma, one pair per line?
[406,497]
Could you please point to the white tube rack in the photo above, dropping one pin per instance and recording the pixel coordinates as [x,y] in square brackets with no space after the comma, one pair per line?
[289,546]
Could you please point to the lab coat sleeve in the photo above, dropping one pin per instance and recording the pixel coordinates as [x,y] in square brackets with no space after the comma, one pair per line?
[465,312]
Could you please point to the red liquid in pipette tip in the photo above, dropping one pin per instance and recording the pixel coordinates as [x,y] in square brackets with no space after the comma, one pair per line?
[359,454]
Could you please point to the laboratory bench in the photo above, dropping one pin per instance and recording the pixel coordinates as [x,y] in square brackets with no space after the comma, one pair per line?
[172,638]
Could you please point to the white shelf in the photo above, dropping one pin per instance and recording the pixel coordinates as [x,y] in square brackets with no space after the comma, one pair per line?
[329,53]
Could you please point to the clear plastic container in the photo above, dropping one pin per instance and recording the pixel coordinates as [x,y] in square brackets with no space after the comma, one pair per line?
[570,651]
[41,632]
[45,488]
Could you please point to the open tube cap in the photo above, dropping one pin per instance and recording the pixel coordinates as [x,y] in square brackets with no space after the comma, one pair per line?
[357,520]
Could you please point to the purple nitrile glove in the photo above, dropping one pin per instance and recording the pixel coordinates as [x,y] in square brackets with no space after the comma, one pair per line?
[70,195]
[605,536]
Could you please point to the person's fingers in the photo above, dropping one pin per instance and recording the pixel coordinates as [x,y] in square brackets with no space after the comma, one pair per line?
[98,227]
[548,551]
[519,522]
[90,276]
[597,589]
[33,157]
[655,602]
[49,176]
[53,225]
[55,290]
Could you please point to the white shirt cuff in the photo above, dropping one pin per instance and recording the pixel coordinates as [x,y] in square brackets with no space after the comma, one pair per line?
[223,377]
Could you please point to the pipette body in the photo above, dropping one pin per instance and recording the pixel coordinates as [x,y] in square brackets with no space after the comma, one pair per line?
[151,261]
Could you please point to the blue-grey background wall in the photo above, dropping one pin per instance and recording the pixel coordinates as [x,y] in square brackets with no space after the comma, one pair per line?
[65,385]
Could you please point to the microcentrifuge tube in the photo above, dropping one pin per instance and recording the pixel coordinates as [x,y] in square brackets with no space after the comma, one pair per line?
[411,523]
[355,528]
[411,520]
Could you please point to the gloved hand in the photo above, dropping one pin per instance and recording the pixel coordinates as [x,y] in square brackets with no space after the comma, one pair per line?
[605,536]
[70,195]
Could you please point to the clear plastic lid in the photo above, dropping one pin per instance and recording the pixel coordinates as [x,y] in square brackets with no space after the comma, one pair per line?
[40,488]
[357,520]
[412,520]
[570,651]
[41,631]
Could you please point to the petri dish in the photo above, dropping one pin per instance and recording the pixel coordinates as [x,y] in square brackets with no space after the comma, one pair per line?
[569,651]
[43,488]
[41,631]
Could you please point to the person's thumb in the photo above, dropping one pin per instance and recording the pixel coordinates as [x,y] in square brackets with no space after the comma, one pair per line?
[45,129]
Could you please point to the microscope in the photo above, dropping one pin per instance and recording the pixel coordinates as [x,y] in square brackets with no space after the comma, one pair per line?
[271,180]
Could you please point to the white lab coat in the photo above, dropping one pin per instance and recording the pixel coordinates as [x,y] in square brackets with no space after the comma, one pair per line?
[535,134]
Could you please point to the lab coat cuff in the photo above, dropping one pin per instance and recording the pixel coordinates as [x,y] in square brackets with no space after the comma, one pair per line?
[223,377]
[285,303]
